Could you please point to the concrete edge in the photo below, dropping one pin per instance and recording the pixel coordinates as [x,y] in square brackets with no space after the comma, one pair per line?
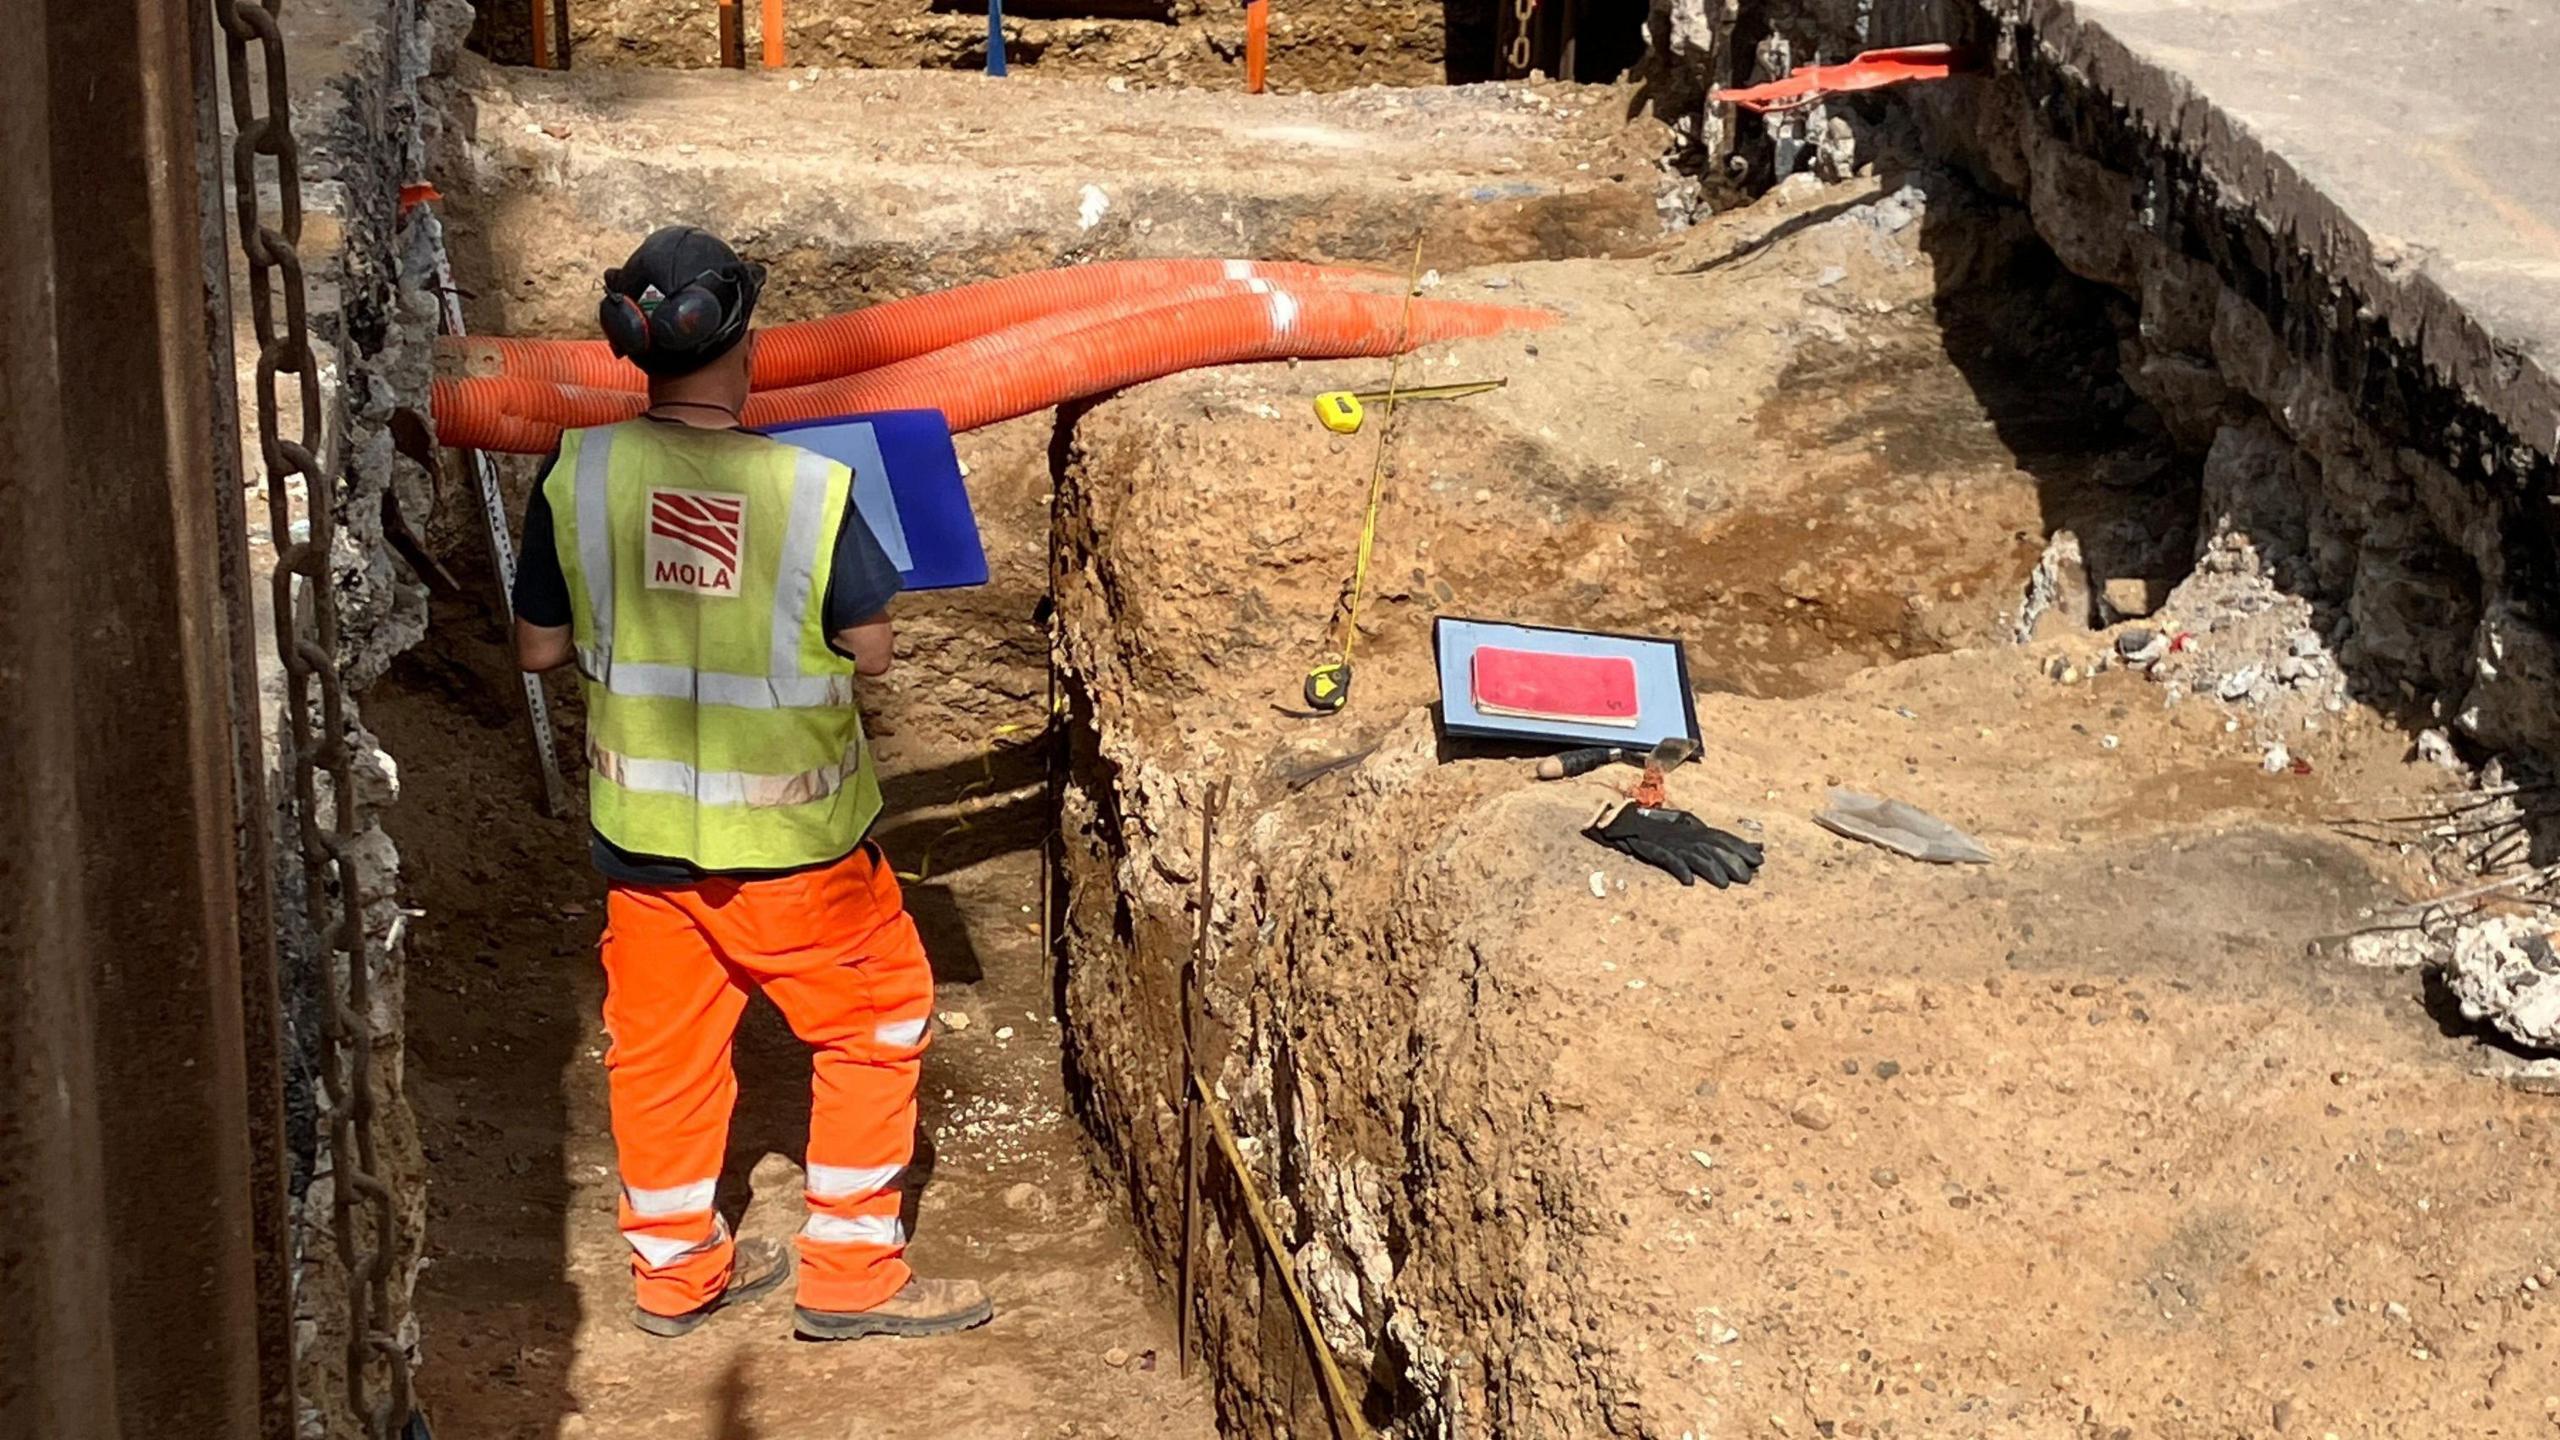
[2504,378]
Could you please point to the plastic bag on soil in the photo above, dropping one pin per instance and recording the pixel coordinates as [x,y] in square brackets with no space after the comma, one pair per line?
[1900,828]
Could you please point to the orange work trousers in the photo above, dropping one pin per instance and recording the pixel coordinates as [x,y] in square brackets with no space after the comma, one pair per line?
[836,952]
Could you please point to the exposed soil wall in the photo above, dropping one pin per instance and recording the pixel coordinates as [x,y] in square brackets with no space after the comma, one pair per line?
[2366,481]
[1788,471]
[862,187]
[1323,45]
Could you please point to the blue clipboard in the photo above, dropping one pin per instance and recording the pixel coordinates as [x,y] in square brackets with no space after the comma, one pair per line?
[907,486]
[1665,706]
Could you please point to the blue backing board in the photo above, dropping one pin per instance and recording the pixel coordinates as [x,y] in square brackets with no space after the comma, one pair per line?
[906,483]
[1664,707]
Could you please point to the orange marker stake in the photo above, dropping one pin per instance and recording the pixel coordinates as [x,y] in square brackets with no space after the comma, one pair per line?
[770,31]
[1257,43]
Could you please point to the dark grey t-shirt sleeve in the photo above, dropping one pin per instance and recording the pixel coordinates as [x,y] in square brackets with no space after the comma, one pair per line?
[542,587]
[863,581]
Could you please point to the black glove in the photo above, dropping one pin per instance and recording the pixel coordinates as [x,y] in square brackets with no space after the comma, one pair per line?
[1681,843]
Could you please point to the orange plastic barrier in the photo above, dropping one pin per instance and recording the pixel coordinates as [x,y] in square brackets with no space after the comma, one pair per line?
[1872,70]
[1015,371]
[807,351]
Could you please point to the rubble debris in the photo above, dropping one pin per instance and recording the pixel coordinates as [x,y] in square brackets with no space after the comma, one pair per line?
[2533,1077]
[2128,597]
[2139,646]
[2407,947]
[2057,592]
[1903,829]
[2435,747]
[2502,969]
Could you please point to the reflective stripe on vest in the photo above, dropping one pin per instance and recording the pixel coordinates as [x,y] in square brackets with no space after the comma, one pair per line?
[721,726]
[722,787]
[710,687]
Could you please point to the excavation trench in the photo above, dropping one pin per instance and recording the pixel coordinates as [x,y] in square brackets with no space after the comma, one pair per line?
[1557,1147]
[523,1303]
[1909,463]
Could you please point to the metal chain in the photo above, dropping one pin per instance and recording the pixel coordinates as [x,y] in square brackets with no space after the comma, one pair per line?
[1522,13]
[306,620]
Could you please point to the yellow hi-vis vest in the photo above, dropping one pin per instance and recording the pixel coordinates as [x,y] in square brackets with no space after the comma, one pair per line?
[721,729]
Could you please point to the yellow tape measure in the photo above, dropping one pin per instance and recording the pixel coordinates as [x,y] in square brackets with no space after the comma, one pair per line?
[1328,686]
[1342,411]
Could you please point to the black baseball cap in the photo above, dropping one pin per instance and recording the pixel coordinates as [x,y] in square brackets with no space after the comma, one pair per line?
[689,299]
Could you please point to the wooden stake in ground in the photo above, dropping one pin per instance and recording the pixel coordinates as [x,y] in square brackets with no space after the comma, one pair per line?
[733,37]
[1338,1404]
[1193,1096]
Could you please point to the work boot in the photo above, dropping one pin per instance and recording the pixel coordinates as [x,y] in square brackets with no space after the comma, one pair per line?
[757,1266]
[921,1307]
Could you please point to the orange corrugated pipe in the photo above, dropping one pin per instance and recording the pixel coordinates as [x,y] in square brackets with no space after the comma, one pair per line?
[579,405]
[1000,376]
[807,351]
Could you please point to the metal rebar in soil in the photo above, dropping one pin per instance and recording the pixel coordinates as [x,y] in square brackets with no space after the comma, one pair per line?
[804,352]
[1019,370]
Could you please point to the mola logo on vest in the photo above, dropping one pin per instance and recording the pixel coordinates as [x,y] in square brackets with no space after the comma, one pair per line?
[697,539]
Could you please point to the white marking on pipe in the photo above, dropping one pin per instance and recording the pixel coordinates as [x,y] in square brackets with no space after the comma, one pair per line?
[1284,312]
[1240,270]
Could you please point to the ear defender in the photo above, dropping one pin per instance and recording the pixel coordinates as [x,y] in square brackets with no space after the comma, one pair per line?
[677,333]
[626,327]
[685,321]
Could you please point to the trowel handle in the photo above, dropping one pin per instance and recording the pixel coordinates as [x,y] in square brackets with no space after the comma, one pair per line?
[1567,764]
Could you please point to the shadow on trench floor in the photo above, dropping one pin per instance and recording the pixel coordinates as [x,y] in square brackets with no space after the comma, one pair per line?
[525,1301]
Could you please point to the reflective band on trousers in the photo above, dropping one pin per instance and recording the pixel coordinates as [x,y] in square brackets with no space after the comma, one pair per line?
[638,681]
[722,787]
[851,1182]
[661,1251]
[856,1230]
[673,1200]
[901,1033]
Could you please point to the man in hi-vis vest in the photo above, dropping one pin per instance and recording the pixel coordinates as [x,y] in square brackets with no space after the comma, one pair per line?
[718,593]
